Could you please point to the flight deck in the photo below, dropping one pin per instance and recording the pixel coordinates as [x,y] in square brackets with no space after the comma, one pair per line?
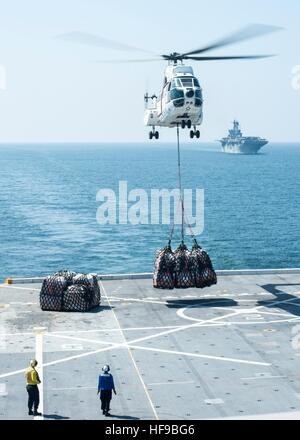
[230,351]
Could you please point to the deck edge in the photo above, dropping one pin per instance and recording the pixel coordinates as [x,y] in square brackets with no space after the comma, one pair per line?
[149,275]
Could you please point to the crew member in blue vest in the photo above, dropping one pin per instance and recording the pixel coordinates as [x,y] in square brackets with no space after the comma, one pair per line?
[105,387]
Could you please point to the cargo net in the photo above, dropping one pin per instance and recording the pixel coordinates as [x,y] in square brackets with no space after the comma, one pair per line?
[183,269]
[204,274]
[164,274]
[67,291]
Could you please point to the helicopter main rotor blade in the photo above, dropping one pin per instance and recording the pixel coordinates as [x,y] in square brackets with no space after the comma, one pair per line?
[238,57]
[141,60]
[97,41]
[247,33]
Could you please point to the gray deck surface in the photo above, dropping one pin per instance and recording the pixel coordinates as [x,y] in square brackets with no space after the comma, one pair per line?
[229,351]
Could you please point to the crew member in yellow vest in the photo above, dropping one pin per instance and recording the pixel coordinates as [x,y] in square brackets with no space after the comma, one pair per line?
[32,382]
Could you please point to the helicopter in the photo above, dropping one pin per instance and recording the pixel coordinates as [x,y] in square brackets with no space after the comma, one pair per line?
[180,102]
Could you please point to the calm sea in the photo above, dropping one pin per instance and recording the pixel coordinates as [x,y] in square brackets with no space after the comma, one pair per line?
[48,206]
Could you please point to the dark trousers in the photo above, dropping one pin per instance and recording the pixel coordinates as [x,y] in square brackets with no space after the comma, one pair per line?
[33,397]
[105,397]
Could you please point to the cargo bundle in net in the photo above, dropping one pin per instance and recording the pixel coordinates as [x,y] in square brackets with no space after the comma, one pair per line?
[67,291]
[183,269]
[164,275]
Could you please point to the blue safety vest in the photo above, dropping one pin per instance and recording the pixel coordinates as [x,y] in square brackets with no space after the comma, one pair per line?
[106,382]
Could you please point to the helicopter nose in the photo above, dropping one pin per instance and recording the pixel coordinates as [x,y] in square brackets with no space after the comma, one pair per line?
[190,94]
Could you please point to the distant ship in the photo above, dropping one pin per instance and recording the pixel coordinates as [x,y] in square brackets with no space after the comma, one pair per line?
[236,143]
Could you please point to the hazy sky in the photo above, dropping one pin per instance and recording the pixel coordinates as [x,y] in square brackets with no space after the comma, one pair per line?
[57,92]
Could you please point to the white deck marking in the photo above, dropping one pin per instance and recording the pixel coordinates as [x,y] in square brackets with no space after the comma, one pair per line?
[277,321]
[72,347]
[144,300]
[214,401]
[172,330]
[7,286]
[181,353]
[253,310]
[12,373]
[3,391]
[23,303]
[40,368]
[121,345]
[75,338]
[271,304]
[106,330]
[275,314]
[297,305]
[132,358]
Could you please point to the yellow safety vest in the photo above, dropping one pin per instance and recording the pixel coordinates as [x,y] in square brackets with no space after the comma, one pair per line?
[32,377]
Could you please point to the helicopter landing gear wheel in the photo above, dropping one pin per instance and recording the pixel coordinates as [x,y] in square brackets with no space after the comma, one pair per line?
[153,134]
[189,124]
[183,124]
[192,134]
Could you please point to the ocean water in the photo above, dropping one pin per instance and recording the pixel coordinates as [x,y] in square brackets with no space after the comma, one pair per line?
[48,206]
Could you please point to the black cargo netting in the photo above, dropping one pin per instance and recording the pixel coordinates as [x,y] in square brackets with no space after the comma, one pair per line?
[204,274]
[184,274]
[67,291]
[183,269]
[91,283]
[164,277]
[67,274]
[77,298]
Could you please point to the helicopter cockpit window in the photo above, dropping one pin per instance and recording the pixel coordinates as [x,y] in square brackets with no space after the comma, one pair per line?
[175,83]
[176,94]
[196,82]
[187,81]
[198,93]
[199,98]
[177,97]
